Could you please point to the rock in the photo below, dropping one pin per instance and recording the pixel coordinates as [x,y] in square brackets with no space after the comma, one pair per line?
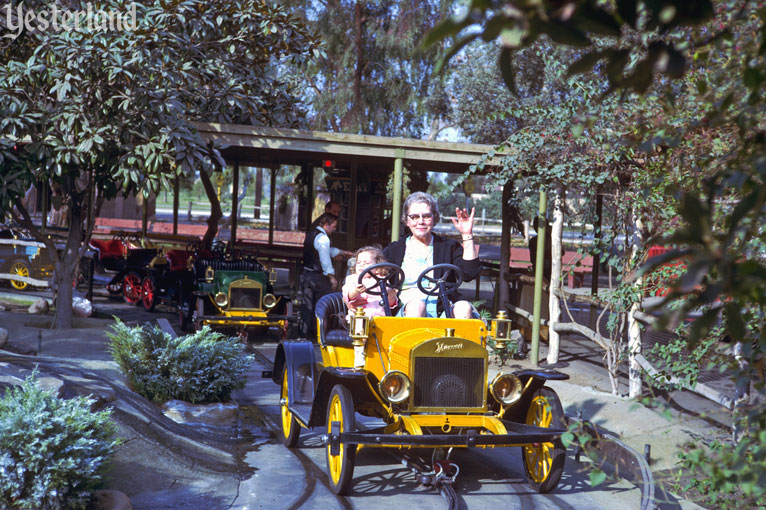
[109,500]
[40,307]
[20,348]
[81,307]
[50,383]
[3,336]
[218,414]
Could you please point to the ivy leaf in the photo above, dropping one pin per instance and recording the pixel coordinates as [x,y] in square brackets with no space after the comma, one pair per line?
[447,28]
[597,477]
[585,63]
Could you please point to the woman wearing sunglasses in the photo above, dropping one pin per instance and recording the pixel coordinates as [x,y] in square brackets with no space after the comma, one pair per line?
[422,249]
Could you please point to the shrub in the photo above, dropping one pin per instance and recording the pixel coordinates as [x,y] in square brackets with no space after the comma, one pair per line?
[51,449]
[199,368]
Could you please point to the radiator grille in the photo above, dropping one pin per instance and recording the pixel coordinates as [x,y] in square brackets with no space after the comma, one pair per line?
[449,382]
[245,297]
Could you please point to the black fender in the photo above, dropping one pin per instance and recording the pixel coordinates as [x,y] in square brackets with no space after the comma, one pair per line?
[298,358]
[353,379]
[518,411]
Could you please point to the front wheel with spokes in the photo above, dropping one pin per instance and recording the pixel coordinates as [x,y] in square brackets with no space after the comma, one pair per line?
[340,458]
[544,462]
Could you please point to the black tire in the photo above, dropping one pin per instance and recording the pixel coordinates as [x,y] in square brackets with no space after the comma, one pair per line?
[114,288]
[340,468]
[291,429]
[544,462]
[149,293]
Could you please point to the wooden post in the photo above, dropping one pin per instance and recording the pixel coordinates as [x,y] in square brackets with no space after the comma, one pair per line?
[501,296]
[308,170]
[396,213]
[554,306]
[534,354]
[176,191]
[234,204]
[258,193]
[145,220]
[272,203]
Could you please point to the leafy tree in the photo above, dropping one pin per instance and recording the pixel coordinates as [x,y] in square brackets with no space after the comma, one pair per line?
[369,79]
[102,112]
[705,62]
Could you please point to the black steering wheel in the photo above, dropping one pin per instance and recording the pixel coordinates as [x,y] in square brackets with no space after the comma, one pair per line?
[392,279]
[442,285]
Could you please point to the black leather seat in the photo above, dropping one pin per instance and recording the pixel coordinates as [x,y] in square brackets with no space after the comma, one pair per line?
[329,311]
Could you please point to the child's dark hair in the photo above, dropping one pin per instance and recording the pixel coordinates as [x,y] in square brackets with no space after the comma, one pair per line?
[375,249]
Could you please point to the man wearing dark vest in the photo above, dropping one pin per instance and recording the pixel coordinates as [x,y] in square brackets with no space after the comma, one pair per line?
[318,272]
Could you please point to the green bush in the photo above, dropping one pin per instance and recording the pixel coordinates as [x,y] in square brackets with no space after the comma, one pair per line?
[198,368]
[51,449]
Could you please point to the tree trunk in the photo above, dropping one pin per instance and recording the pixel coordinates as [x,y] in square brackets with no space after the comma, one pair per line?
[554,305]
[505,247]
[634,332]
[215,209]
[66,259]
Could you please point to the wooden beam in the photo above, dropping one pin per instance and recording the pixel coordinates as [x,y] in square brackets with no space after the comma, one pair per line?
[234,203]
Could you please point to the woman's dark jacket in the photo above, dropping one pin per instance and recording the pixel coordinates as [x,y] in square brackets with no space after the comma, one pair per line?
[446,251]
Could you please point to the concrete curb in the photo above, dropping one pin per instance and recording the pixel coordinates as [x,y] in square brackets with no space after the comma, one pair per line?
[617,458]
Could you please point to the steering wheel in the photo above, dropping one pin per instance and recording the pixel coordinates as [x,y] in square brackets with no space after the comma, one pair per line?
[392,280]
[222,250]
[442,286]
[194,246]
[439,283]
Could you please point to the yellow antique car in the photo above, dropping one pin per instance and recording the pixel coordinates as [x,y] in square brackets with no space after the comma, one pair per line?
[424,380]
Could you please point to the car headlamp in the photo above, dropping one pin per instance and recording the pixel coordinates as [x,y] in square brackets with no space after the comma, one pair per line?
[506,388]
[221,299]
[395,387]
[269,301]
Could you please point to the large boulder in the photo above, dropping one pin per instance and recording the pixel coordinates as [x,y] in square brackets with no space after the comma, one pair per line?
[40,307]
[216,414]
[81,307]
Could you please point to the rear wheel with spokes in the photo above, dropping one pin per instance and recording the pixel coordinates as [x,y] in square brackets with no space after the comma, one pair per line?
[20,268]
[149,293]
[291,429]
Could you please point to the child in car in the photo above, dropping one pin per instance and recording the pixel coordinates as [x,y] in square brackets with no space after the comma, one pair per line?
[355,294]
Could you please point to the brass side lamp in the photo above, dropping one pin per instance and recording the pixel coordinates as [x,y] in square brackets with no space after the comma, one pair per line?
[501,329]
[273,275]
[359,330]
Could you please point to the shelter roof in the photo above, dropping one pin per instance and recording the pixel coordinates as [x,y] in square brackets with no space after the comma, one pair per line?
[264,146]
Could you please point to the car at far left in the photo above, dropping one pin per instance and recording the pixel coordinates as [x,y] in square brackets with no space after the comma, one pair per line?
[21,256]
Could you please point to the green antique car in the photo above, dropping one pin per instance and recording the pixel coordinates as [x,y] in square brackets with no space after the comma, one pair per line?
[238,295]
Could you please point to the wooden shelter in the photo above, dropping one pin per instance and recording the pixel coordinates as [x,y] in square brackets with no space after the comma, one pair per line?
[360,166]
